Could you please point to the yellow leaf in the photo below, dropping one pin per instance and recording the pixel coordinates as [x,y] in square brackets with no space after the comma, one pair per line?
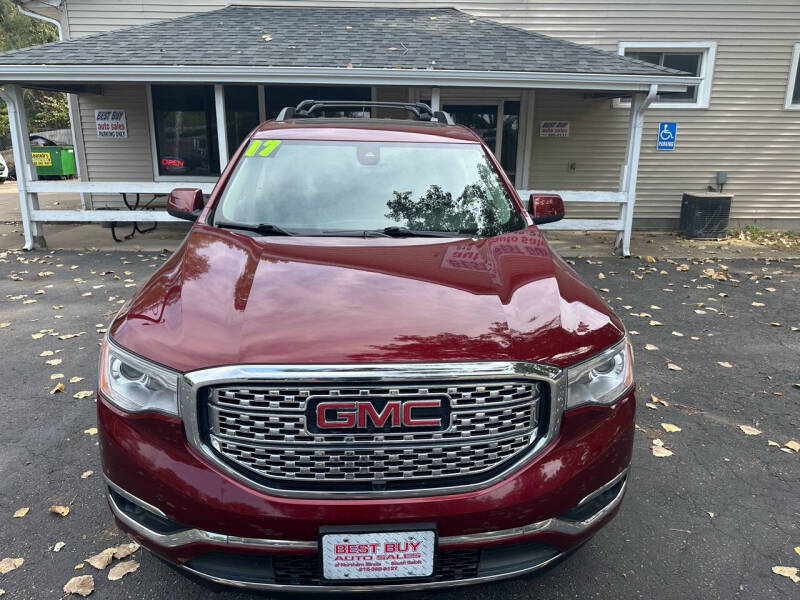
[790,572]
[650,347]
[119,570]
[54,361]
[775,324]
[601,276]
[749,430]
[793,445]
[650,405]
[60,510]
[726,364]
[57,376]
[9,564]
[46,353]
[655,323]
[58,388]
[670,428]
[5,324]
[677,334]
[21,512]
[83,394]
[36,336]
[75,379]
[86,474]
[90,431]
[757,303]
[82,585]
[673,367]
[797,549]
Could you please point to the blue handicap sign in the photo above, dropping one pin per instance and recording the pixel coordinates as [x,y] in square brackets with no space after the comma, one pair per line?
[667,132]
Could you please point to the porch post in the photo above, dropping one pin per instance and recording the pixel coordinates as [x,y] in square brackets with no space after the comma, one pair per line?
[222,130]
[630,170]
[28,201]
[436,99]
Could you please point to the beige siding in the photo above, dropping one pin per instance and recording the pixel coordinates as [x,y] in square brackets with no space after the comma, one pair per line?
[745,132]
[117,159]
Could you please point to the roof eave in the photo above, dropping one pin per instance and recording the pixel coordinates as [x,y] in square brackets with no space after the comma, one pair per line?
[44,73]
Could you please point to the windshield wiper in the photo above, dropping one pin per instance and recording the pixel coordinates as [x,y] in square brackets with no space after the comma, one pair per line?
[262,228]
[395,231]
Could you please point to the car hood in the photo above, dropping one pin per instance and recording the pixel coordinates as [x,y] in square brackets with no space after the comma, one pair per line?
[230,298]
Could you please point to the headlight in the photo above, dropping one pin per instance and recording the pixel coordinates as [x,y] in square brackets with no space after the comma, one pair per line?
[136,385]
[603,378]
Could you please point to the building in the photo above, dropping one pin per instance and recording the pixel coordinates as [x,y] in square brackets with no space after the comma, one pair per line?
[182,83]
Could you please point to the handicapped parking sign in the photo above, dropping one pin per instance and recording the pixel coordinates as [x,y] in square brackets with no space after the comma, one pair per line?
[667,132]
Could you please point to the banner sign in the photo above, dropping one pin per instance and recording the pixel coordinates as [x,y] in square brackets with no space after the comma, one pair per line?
[111,123]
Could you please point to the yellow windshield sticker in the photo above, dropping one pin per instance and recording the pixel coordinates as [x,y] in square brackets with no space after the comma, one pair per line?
[262,147]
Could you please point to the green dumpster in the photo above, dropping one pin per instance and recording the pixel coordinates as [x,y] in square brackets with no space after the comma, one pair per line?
[54,161]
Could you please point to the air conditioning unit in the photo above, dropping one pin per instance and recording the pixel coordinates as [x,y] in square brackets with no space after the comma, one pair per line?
[705,215]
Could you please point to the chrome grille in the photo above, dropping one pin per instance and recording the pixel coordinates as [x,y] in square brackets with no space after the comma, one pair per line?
[261,430]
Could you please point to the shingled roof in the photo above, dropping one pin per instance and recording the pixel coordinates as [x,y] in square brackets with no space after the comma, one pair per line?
[439,39]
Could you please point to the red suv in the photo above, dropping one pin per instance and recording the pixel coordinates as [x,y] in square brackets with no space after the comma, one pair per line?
[364,369]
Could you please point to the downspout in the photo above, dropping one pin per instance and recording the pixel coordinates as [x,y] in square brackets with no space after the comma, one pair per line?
[638,106]
[57,23]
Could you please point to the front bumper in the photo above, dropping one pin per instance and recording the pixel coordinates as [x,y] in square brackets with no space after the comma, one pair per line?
[218,528]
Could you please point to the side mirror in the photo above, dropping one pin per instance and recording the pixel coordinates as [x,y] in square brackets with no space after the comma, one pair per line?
[546,208]
[185,203]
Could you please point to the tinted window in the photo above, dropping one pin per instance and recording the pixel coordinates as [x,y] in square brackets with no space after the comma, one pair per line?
[186,129]
[313,186]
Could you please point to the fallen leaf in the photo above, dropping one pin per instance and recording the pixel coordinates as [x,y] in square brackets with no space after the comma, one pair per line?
[749,430]
[83,394]
[46,353]
[724,363]
[54,361]
[58,546]
[102,559]
[710,514]
[5,324]
[673,367]
[83,585]
[650,405]
[793,444]
[601,276]
[75,379]
[59,510]
[57,376]
[21,512]
[655,323]
[36,336]
[9,564]
[775,324]
[119,570]
[757,303]
[87,474]
[658,449]
[59,388]
[771,443]
[125,550]
[790,572]
[670,428]
[797,549]
[90,431]
[650,347]
[657,400]
[677,334]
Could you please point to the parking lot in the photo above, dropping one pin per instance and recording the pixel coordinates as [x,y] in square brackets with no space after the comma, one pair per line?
[717,352]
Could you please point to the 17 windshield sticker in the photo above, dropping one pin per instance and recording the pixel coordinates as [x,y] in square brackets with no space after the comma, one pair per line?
[262,147]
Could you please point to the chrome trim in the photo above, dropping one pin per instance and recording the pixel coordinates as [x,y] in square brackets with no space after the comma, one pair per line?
[603,488]
[191,536]
[128,496]
[383,373]
[188,536]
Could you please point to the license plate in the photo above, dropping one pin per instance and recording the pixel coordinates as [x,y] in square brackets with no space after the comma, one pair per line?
[379,555]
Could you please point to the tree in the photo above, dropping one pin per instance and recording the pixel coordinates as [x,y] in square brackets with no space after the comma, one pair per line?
[46,110]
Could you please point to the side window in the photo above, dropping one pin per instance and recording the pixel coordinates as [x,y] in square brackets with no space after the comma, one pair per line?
[793,85]
[694,58]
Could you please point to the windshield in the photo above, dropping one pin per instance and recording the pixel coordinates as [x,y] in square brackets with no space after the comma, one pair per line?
[327,186]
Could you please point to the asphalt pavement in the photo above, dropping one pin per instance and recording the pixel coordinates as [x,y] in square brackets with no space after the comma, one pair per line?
[709,521]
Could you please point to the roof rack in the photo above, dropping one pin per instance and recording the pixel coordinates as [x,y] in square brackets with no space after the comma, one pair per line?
[420,110]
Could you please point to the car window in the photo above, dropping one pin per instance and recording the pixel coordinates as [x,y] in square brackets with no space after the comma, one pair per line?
[314,186]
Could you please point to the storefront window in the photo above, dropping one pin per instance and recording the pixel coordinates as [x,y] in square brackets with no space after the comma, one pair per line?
[279,96]
[186,130]
[241,113]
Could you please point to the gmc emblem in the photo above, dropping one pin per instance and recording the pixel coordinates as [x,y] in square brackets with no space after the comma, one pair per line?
[373,414]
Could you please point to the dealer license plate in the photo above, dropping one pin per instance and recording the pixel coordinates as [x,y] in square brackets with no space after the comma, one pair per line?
[384,555]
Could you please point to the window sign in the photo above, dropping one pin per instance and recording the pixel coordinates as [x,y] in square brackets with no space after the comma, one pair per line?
[667,133]
[554,129]
[111,123]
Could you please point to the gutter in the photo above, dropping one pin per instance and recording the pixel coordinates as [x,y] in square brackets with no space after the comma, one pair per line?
[106,73]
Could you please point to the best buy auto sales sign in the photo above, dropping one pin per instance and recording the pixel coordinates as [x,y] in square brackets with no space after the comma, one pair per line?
[111,123]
